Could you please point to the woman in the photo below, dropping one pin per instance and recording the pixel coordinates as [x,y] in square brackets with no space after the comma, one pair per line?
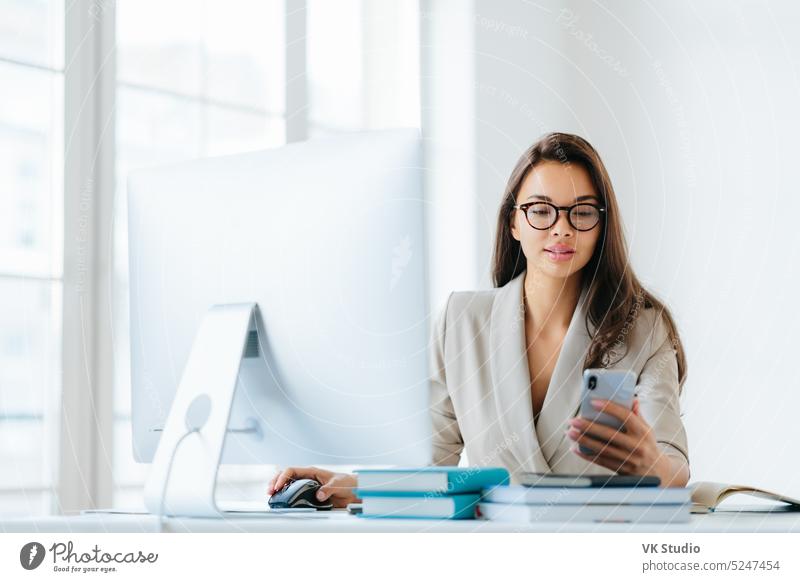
[507,363]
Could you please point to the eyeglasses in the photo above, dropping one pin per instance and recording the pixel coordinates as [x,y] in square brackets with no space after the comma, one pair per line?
[543,215]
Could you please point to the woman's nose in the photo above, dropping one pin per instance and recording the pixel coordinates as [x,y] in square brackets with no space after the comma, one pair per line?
[562,225]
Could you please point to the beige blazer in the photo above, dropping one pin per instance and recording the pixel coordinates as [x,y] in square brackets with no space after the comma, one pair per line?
[480,385]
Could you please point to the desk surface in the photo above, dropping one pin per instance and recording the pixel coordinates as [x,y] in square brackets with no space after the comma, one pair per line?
[341,521]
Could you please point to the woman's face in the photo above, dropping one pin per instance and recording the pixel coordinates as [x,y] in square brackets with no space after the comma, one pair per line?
[562,185]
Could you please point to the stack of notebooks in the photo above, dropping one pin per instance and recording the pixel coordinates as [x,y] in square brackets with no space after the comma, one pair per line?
[426,492]
[590,498]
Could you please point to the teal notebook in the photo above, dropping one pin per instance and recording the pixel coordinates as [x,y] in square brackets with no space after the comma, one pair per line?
[420,506]
[431,479]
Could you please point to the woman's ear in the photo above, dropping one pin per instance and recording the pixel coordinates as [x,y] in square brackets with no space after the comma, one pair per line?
[513,224]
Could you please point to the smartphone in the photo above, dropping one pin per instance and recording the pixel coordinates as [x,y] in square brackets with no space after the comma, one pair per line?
[616,385]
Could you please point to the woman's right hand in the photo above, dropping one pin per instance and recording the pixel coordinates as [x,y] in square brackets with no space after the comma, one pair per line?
[336,486]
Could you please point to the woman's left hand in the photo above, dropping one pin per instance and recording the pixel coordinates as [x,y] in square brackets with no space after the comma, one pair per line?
[632,450]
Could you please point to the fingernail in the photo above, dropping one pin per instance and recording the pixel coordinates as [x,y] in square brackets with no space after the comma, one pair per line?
[321,495]
[597,403]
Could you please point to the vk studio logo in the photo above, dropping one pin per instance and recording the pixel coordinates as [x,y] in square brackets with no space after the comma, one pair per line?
[31,555]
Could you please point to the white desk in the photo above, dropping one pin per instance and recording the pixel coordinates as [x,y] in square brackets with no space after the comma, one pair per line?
[341,521]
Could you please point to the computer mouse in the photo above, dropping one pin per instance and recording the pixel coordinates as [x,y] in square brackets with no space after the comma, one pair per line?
[299,493]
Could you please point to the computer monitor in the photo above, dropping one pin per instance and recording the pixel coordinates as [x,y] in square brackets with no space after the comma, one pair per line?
[326,238]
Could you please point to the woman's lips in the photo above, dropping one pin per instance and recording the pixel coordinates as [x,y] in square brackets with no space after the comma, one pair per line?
[559,256]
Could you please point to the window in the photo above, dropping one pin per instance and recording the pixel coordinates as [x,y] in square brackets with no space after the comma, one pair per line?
[31,212]
[363,65]
[191,78]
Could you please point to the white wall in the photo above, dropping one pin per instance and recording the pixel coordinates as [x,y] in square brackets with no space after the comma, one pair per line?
[447,83]
[693,107]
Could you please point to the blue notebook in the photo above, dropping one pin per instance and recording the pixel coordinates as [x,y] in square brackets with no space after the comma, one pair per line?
[449,480]
[420,506]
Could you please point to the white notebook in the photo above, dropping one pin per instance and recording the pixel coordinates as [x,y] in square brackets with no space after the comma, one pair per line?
[563,495]
[585,513]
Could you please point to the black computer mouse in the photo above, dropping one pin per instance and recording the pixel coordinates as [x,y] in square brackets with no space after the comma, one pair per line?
[299,493]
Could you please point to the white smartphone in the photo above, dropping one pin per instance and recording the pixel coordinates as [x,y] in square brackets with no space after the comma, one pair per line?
[616,385]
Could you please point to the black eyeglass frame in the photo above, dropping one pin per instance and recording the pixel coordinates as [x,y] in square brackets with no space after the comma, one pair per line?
[568,209]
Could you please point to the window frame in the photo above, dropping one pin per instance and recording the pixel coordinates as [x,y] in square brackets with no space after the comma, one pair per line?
[87,366]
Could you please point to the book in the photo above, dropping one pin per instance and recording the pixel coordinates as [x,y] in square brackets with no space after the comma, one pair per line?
[520,513]
[564,480]
[424,506]
[707,495]
[432,479]
[520,494]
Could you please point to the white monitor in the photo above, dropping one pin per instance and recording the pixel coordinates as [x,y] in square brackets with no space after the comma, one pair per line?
[326,237]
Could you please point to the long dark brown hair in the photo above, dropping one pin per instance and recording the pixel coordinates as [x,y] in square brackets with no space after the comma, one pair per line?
[615,296]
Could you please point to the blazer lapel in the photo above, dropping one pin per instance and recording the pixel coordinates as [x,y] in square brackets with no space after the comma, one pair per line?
[511,378]
[533,447]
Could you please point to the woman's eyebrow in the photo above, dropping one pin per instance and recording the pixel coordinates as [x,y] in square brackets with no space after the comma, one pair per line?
[578,199]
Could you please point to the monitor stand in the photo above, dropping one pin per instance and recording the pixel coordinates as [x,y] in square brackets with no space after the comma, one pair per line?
[183,476]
